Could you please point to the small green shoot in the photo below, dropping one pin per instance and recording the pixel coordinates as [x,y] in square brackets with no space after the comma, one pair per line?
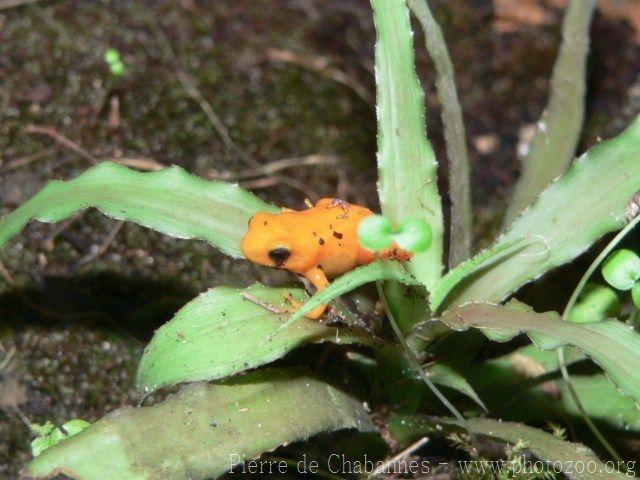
[50,435]
[635,294]
[622,269]
[115,63]
[414,235]
[377,233]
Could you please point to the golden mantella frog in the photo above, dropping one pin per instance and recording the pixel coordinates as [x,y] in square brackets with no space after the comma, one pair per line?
[318,243]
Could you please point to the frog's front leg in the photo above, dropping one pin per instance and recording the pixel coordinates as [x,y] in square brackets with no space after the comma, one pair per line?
[319,280]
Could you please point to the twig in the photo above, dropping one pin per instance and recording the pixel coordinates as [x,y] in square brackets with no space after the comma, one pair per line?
[322,66]
[7,358]
[61,227]
[4,273]
[554,144]
[277,165]
[6,4]
[454,135]
[102,248]
[262,303]
[144,164]
[386,466]
[20,162]
[61,140]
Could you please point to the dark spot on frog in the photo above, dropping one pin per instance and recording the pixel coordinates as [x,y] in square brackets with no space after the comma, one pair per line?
[338,235]
[321,241]
[319,267]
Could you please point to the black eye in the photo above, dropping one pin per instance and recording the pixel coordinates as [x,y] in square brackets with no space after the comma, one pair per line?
[279,255]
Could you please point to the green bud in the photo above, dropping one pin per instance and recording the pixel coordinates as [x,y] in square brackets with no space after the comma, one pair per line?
[374,233]
[117,69]
[112,56]
[622,269]
[635,294]
[597,302]
[413,235]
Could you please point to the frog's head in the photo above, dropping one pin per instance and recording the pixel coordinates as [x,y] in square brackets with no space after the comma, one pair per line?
[272,240]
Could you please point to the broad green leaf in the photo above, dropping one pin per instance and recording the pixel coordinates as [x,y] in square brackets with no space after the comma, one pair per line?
[171,201]
[461,235]
[611,344]
[526,385]
[559,454]
[577,209]
[602,402]
[376,271]
[50,435]
[574,460]
[483,260]
[443,374]
[204,430]
[222,332]
[408,304]
[554,145]
[406,162]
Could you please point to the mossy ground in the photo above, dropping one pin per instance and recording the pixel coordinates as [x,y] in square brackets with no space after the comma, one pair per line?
[78,329]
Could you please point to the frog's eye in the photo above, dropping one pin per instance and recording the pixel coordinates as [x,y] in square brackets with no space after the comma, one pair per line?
[279,255]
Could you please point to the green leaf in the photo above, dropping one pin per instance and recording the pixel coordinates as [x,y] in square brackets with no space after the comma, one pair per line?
[622,269]
[413,235]
[577,209]
[374,272]
[204,429]
[446,375]
[597,302]
[558,453]
[554,145]
[461,214]
[222,332]
[171,201]
[611,344]
[635,294]
[602,402]
[568,457]
[374,233]
[406,162]
[526,385]
[483,260]
[50,435]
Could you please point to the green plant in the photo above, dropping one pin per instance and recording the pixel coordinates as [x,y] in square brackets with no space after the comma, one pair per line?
[226,330]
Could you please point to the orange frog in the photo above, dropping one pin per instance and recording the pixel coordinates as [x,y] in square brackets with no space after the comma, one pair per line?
[318,243]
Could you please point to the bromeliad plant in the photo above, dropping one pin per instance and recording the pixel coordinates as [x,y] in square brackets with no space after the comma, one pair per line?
[226,331]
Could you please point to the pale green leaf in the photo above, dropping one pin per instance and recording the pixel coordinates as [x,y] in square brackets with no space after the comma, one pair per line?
[171,201]
[406,162]
[584,204]
[375,271]
[223,332]
[554,145]
[203,430]
[526,385]
[565,456]
[574,460]
[614,346]
[446,375]
[461,235]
